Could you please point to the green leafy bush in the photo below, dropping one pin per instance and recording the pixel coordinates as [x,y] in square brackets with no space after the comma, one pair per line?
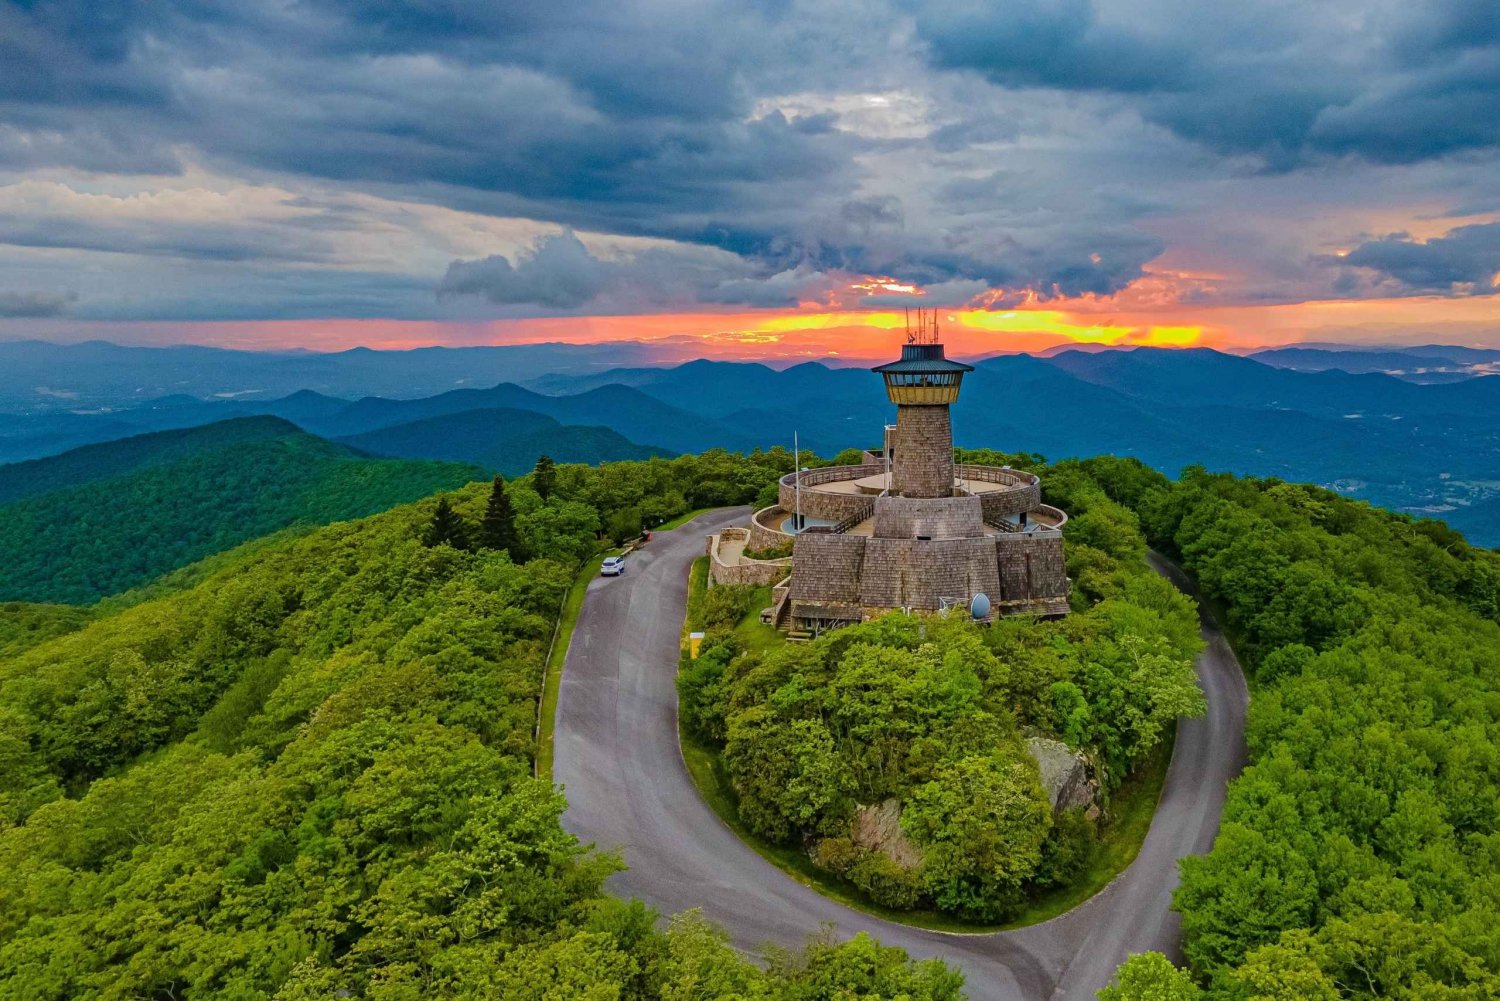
[722,607]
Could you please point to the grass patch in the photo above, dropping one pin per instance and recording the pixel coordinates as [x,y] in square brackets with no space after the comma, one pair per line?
[681,519]
[697,588]
[752,633]
[553,671]
[1132,805]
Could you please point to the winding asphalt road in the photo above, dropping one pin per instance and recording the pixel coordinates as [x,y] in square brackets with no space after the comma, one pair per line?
[618,760]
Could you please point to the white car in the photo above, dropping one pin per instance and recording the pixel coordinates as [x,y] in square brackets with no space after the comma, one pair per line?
[613,566]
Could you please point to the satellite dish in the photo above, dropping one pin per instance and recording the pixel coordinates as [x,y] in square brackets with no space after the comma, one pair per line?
[979,606]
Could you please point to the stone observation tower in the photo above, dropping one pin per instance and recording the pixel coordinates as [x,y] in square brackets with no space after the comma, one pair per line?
[922,385]
[907,528]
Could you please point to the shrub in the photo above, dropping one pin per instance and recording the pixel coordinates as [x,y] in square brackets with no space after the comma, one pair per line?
[724,605]
[1067,849]
[885,881]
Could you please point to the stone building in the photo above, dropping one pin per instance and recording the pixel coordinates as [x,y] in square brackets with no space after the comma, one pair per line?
[909,528]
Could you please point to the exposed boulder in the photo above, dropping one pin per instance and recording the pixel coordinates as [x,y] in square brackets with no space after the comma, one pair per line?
[1065,774]
[878,828]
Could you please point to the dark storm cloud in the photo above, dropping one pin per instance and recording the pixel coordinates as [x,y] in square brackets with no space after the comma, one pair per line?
[708,122]
[1467,257]
[202,241]
[29,305]
[638,121]
[1390,82]
[561,273]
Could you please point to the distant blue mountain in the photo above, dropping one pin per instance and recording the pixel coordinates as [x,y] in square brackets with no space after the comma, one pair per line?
[507,441]
[1431,449]
[1432,364]
[36,376]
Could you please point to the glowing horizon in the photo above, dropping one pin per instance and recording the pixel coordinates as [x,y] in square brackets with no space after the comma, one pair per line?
[854,334]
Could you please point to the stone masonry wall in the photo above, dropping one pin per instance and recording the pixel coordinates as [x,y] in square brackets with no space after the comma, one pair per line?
[763,537]
[923,466]
[1031,567]
[999,504]
[827,568]
[759,573]
[906,573]
[819,504]
[933,517]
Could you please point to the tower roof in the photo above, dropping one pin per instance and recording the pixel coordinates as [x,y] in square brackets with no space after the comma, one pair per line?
[922,358]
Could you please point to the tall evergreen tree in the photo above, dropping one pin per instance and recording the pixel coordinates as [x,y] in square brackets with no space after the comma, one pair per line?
[446,528]
[497,530]
[544,477]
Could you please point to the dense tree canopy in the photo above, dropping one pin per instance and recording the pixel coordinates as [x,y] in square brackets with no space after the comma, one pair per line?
[1359,855]
[303,767]
[304,771]
[106,535]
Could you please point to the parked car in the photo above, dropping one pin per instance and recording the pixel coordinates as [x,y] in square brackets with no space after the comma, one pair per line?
[613,566]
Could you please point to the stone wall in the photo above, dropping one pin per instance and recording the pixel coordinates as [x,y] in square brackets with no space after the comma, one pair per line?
[827,568]
[822,504]
[930,517]
[907,573]
[758,573]
[923,464]
[838,575]
[829,507]
[996,474]
[765,532]
[1012,501]
[832,474]
[1031,568]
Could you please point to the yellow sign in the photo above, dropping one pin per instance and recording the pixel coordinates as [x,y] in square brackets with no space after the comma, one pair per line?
[695,643]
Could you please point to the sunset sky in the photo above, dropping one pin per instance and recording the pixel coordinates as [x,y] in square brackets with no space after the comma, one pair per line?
[751,180]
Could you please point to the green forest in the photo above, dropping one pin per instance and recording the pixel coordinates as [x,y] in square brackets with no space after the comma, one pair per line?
[303,768]
[195,494]
[308,774]
[1359,855]
[934,714]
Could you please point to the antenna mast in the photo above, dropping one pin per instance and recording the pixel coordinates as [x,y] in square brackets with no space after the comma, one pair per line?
[925,331]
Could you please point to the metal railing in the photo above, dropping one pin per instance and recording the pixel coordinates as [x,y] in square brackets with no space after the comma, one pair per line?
[995,474]
[863,513]
[833,474]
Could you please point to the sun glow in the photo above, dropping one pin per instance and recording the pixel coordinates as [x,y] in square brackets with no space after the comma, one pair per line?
[886,285]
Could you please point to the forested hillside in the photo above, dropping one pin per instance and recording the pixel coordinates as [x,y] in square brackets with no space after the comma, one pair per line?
[309,776]
[933,718]
[505,440]
[138,508]
[1360,852]
[19,480]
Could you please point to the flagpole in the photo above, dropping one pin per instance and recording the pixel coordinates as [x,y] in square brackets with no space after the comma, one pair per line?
[797,481]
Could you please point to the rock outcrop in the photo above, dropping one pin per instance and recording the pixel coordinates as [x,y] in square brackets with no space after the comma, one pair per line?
[1065,774]
[878,828]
